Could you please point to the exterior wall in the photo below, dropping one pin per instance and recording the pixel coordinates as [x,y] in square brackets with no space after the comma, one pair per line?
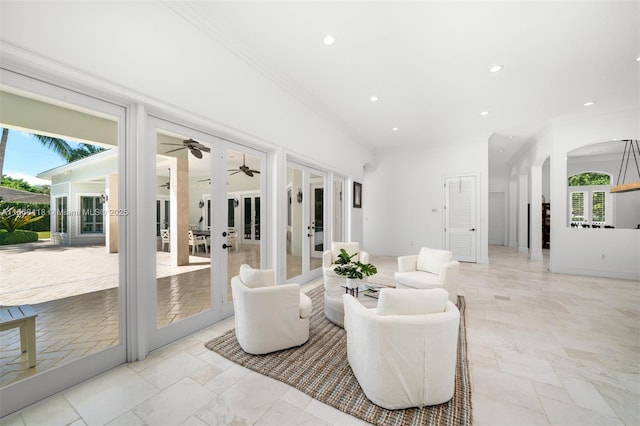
[74,191]
[87,177]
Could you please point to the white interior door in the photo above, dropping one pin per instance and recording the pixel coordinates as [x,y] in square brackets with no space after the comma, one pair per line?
[461,217]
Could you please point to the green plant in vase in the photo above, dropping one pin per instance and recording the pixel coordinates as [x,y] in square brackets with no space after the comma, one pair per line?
[354,271]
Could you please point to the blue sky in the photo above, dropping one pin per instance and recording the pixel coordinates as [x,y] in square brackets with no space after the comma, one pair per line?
[25,157]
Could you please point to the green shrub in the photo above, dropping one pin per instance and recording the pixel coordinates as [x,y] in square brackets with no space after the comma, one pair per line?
[40,209]
[17,237]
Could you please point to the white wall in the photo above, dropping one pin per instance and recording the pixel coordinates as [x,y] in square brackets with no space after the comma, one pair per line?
[403,197]
[130,58]
[613,253]
[158,64]
[546,180]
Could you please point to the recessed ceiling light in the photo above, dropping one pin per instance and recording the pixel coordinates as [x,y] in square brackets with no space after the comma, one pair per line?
[495,68]
[512,137]
[588,103]
[395,129]
[373,99]
[484,113]
[638,59]
[501,150]
[328,40]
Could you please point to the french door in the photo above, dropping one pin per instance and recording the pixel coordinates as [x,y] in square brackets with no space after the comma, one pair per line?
[188,181]
[306,211]
[80,293]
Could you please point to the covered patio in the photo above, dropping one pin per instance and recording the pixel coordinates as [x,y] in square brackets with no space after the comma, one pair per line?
[77,303]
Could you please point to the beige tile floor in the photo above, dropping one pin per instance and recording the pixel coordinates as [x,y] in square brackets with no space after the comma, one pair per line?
[543,348]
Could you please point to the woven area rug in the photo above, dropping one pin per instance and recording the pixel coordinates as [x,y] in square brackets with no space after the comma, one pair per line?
[320,369]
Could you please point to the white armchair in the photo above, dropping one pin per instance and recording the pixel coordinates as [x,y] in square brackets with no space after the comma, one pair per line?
[403,353]
[431,268]
[331,279]
[268,317]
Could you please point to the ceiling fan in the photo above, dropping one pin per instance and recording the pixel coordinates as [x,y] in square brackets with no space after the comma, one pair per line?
[195,147]
[165,185]
[244,169]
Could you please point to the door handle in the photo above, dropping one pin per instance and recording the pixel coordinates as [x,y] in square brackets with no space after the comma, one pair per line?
[226,246]
[472,229]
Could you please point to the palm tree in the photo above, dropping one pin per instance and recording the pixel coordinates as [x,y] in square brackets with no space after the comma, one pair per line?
[83,150]
[57,145]
[3,147]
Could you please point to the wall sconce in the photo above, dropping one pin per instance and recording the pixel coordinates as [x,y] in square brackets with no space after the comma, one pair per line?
[299,196]
[201,203]
[104,198]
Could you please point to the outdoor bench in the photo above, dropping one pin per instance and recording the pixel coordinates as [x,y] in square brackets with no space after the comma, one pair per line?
[24,317]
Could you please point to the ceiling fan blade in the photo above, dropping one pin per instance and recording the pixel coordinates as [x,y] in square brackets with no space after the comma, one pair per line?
[234,172]
[165,143]
[196,152]
[174,150]
[254,171]
[191,143]
[248,173]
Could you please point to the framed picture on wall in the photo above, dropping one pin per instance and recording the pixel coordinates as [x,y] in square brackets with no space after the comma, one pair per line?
[357,195]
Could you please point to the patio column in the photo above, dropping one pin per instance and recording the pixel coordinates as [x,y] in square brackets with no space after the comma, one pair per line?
[179,202]
[112,220]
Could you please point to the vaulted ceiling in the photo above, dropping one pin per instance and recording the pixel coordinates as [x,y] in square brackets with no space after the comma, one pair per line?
[428,63]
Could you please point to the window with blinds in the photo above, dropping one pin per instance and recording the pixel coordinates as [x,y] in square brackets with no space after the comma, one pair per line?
[598,203]
[577,207]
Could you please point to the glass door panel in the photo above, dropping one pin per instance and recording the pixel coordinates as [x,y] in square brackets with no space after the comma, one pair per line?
[317,221]
[244,189]
[183,258]
[247,207]
[294,231]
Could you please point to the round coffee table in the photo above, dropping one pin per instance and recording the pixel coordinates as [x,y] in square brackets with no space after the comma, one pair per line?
[334,308]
